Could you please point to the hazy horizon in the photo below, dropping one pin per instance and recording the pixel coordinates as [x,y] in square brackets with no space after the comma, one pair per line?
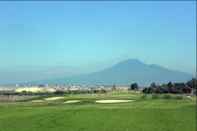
[90,36]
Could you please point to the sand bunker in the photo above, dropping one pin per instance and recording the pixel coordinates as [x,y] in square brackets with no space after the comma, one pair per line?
[72,101]
[113,101]
[189,97]
[37,101]
[54,98]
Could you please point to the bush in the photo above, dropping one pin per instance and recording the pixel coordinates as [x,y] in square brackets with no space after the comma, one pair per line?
[167,96]
[155,96]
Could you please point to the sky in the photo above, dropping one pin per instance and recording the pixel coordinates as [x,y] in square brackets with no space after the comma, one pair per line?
[94,35]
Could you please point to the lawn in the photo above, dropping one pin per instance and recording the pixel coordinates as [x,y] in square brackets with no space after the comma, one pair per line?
[142,114]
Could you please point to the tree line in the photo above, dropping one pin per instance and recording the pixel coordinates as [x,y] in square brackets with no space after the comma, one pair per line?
[174,88]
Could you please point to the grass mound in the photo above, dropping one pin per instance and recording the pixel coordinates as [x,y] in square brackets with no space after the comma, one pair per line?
[113,101]
[54,98]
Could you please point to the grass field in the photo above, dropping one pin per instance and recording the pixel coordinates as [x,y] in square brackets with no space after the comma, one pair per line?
[159,113]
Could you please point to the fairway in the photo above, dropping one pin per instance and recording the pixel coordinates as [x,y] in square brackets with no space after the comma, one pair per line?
[143,114]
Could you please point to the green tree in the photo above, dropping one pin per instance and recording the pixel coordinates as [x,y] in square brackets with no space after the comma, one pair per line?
[134,86]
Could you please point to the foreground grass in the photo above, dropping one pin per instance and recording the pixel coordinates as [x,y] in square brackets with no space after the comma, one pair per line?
[140,115]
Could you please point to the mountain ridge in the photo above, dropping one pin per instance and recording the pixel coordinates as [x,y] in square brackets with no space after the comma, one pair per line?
[126,72]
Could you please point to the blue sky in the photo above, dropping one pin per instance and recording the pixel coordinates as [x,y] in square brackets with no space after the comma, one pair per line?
[94,35]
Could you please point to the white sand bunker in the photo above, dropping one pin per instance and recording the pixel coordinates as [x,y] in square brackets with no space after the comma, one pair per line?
[54,98]
[189,97]
[72,101]
[37,101]
[113,101]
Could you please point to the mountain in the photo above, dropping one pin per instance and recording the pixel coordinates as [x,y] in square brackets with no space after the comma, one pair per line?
[127,72]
